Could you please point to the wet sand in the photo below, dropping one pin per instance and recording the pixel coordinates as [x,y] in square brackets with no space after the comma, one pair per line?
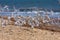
[11,32]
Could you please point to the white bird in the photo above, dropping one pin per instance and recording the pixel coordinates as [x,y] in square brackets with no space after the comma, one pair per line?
[37,23]
[6,8]
[20,21]
[31,22]
[46,18]
[4,23]
[52,13]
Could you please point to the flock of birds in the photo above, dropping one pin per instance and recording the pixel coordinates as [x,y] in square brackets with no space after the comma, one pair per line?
[36,21]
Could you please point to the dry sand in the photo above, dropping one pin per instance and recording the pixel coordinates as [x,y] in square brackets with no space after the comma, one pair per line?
[23,33]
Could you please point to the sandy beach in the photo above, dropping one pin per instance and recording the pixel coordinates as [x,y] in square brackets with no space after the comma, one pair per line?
[29,19]
[11,32]
[15,32]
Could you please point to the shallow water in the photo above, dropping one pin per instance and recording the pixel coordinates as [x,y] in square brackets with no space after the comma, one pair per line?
[55,15]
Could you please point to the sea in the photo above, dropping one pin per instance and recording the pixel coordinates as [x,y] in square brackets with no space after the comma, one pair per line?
[47,4]
[32,3]
[32,14]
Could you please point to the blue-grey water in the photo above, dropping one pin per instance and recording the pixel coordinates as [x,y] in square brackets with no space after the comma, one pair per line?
[55,15]
[32,3]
